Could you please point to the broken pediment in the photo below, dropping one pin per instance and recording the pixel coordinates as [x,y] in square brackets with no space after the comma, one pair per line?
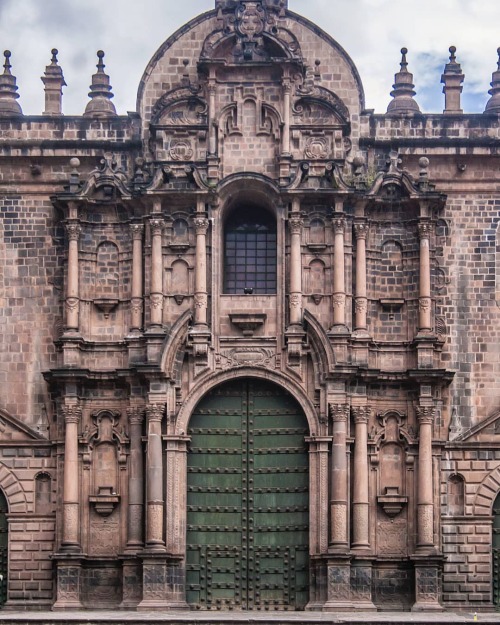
[180,108]
[12,429]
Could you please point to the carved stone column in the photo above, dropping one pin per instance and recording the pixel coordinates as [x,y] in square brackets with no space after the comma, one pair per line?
[338,502]
[339,225]
[73,230]
[212,137]
[132,570]
[287,89]
[361,302]
[425,303]
[154,479]
[71,486]
[156,297]
[425,503]
[135,517]
[200,291]
[360,500]
[175,518]
[295,224]
[137,287]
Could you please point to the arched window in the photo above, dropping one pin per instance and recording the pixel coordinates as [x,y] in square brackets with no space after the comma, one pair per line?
[250,251]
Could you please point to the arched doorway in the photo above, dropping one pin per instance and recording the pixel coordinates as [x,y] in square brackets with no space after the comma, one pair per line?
[248,500]
[4,546]
[496,551]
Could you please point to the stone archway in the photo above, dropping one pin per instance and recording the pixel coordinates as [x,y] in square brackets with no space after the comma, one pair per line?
[248,499]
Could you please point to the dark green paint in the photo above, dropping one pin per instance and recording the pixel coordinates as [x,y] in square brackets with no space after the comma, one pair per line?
[248,500]
[4,545]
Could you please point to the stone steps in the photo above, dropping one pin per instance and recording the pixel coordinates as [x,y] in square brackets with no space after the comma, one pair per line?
[239,618]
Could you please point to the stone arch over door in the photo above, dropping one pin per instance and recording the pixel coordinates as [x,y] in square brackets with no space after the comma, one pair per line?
[248,499]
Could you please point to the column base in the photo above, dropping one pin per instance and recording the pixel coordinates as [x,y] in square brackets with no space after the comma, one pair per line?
[362,584]
[338,585]
[427,583]
[68,583]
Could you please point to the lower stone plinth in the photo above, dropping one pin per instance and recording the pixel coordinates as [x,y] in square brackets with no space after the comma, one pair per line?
[162,584]
[132,584]
[339,585]
[362,585]
[69,584]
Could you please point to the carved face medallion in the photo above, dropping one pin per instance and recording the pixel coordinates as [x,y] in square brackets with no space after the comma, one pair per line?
[251,20]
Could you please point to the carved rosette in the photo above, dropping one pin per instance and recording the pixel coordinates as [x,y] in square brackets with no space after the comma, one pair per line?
[73,230]
[201,225]
[296,224]
[339,300]
[424,230]
[339,225]
[361,304]
[156,300]
[361,414]
[339,412]
[136,231]
[200,300]
[424,304]
[425,414]
[71,304]
[136,305]
[71,414]
[295,300]
[361,230]
[155,412]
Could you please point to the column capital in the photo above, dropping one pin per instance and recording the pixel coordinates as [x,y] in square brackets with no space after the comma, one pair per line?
[295,223]
[338,412]
[361,414]
[155,412]
[361,229]
[135,415]
[157,226]
[201,225]
[71,414]
[136,231]
[339,225]
[424,229]
[73,230]
[425,414]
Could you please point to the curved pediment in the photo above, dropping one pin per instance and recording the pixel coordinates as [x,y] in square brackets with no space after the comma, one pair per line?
[180,107]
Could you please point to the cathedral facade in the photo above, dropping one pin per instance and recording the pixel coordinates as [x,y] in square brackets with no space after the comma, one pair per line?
[251,338]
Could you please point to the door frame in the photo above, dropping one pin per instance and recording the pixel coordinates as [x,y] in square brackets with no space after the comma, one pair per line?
[176,462]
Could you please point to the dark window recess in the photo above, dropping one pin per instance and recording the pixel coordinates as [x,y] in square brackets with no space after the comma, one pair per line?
[250,252]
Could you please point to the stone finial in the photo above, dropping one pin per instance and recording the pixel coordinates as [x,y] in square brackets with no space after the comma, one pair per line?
[230,5]
[452,80]
[53,80]
[100,104]
[403,103]
[8,90]
[493,104]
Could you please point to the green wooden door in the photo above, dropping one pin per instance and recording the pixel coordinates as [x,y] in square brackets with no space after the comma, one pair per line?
[4,545]
[248,513]
[496,551]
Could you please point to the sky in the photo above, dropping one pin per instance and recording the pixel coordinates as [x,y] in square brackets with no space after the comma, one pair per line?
[371,31]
